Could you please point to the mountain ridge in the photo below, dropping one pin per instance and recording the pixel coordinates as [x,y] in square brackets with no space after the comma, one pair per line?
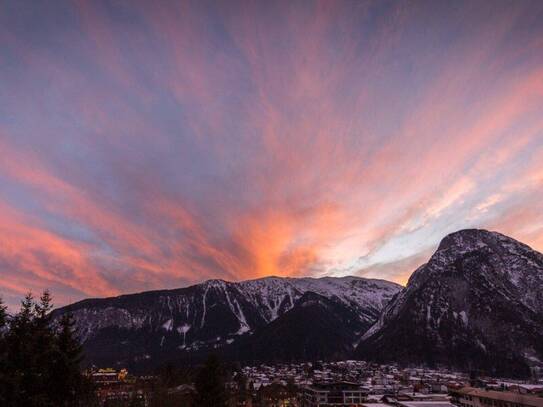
[213,314]
[218,280]
[477,302]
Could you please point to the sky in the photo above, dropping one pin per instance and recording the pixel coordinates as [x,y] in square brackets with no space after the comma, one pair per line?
[149,145]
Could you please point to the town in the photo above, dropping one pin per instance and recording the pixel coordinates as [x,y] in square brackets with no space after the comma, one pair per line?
[271,203]
[325,384]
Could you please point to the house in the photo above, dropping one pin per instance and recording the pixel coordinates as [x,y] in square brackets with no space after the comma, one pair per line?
[424,404]
[475,397]
[535,389]
[334,394]
[109,376]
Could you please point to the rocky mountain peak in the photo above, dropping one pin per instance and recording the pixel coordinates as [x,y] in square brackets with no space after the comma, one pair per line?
[466,239]
[473,239]
[493,255]
[478,300]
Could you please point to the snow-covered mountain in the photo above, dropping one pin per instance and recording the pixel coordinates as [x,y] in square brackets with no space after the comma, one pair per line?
[477,304]
[156,324]
[368,297]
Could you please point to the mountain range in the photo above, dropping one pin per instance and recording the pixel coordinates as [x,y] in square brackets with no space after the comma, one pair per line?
[265,319]
[476,305]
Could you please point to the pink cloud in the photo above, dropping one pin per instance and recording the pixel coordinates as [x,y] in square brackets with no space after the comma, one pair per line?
[246,142]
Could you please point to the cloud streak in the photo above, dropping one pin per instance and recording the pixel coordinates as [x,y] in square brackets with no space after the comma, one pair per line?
[149,146]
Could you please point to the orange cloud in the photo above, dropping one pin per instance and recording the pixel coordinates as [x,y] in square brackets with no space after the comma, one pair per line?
[38,259]
[164,145]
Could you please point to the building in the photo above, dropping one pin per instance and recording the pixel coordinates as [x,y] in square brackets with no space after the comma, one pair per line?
[336,394]
[424,404]
[535,389]
[109,376]
[475,397]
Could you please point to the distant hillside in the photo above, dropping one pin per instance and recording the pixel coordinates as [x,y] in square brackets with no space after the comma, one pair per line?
[153,327]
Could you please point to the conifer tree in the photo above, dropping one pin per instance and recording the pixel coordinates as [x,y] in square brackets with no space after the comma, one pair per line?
[3,355]
[210,384]
[241,381]
[21,367]
[68,381]
[3,316]
[39,360]
[44,345]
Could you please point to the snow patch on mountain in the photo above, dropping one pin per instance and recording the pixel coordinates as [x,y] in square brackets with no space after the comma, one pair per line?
[168,325]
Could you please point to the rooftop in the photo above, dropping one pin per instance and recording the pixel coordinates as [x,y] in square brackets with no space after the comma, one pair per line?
[425,404]
[511,397]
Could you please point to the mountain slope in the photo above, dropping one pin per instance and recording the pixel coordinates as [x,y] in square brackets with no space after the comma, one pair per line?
[150,327]
[477,304]
[315,328]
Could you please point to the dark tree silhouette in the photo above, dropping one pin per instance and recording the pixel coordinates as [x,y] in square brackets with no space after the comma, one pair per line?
[43,344]
[2,315]
[3,354]
[210,385]
[67,379]
[22,373]
[39,361]
[241,381]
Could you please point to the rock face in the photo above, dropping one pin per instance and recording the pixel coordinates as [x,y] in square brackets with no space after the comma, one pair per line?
[154,327]
[476,305]
[316,328]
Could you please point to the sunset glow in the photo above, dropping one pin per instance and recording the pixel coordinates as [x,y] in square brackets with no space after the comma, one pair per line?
[148,145]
